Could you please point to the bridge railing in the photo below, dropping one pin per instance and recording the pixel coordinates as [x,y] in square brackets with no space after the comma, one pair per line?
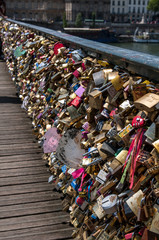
[137,62]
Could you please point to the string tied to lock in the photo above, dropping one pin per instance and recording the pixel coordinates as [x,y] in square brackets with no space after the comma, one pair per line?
[132,155]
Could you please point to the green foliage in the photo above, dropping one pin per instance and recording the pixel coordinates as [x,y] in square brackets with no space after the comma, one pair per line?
[93,19]
[153,5]
[79,22]
[64,21]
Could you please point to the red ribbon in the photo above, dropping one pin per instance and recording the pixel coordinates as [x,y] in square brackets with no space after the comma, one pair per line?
[137,144]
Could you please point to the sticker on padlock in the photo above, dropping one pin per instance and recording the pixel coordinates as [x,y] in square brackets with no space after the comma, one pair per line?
[51,179]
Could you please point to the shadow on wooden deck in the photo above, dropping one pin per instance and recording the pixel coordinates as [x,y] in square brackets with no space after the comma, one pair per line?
[13,100]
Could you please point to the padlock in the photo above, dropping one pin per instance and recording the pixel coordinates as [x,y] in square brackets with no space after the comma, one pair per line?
[145,208]
[119,212]
[147,102]
[103,236]
[141,212]
[95,99]
[89,224]
[150,208]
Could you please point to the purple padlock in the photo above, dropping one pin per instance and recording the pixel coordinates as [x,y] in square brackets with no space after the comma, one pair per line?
[79,92]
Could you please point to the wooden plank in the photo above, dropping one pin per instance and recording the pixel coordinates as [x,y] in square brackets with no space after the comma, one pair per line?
[63,234]
[11,107]
[38,223]
[23,180]
[14,124]
[2,82]
[29,209]
[15,128]
[18,118]
[19,146]
[21,164]
[24,188]
[14,121]
[6,85]
[23,207]
[6,75]
[17,141]
[16,131]
[34,189]
[7,108]
[10,110]
[23,126]
[17,136]
[4,69]
[8,79]
[36,230]
[21,137]
[21,171]
[16,115]
[21,157]
[13,111]
[9,152]
[8,93]
[28,219]
[9,88]
[29,198]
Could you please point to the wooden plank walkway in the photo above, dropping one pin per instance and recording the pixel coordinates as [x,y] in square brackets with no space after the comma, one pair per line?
[29,208]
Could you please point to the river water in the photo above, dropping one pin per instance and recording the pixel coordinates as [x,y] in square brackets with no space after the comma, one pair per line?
[149,48]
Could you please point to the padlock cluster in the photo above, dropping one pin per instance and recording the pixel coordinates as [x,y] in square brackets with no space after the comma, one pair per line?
[99,127]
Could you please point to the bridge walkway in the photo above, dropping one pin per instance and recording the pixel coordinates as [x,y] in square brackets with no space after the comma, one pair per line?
[29,208]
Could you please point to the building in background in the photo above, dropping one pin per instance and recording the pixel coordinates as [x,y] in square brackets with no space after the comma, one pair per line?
[107,10]
[35,10]
[86,8]
[49,10]
[137,11]
[119,10]
[129,11]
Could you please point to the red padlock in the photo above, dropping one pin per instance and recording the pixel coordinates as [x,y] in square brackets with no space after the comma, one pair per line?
[138,122]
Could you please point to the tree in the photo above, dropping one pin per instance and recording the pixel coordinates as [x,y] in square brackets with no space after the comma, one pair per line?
[93,19]
[153,5]
[78,22]
[64,21]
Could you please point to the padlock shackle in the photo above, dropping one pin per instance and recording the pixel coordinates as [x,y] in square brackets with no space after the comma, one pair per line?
[101,88]
[87,153]
[94,161]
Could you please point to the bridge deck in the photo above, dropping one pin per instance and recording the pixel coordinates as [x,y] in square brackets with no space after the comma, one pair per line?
[29,208]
